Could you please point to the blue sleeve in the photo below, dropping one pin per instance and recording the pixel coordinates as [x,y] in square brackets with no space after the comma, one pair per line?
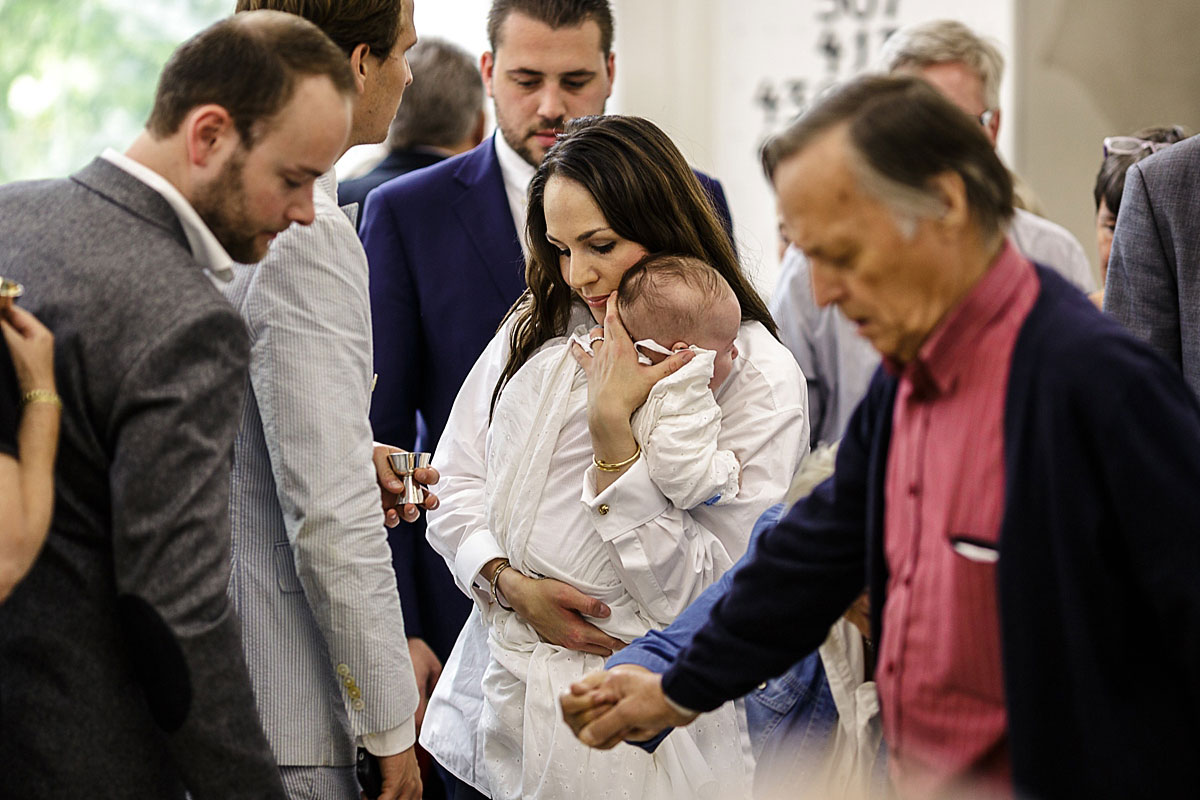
[805,573]
[399,363]
[395,322]
[657,650]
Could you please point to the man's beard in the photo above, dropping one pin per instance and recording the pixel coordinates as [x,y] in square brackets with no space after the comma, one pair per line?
[222,206]
[522,147]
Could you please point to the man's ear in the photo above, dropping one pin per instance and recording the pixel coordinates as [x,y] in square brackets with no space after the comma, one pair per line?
[993,127]
[360,66]
[952,190]
[610,66]
[487,67]
[209,133]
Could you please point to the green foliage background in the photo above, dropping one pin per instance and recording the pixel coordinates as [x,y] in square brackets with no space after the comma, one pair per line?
[95,63]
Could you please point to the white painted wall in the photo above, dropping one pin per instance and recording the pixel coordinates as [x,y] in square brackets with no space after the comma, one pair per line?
[1087,69]
[708,70]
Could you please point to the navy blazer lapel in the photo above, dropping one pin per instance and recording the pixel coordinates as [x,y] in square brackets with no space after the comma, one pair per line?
[484,214]
[107,179]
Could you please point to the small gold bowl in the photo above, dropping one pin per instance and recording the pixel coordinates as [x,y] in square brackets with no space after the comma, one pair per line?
[10,288]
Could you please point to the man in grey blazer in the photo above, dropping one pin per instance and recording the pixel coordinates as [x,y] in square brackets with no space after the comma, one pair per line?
[1153,284]
[121,670]
[312,571]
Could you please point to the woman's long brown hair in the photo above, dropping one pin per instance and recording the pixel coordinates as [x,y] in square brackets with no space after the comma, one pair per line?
[648,195]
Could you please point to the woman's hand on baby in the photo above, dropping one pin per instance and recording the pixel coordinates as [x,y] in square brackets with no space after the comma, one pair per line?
[617,383]
[557,611]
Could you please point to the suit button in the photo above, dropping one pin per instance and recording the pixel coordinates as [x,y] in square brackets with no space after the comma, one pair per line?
[354,693]
[343,670]
[603,509]
[358,705]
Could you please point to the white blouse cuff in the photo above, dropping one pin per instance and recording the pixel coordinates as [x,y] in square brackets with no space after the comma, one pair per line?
[478,549]
[630,502]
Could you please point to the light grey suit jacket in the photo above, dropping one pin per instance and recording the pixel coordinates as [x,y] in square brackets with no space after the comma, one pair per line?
[312,570]
[121,671]
[1153,284]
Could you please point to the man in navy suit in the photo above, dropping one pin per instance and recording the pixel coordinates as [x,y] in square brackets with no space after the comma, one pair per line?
[446,258]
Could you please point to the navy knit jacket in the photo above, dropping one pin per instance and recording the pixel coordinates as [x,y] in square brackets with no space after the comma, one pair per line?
[1099,571]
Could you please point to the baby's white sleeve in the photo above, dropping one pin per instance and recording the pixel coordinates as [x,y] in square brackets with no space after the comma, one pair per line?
[677,427]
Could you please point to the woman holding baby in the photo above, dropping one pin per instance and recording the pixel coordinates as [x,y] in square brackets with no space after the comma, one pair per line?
[554,517]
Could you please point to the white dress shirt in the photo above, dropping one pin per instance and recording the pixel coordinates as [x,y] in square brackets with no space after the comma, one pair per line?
[204,245]
[517,174]
[765,422]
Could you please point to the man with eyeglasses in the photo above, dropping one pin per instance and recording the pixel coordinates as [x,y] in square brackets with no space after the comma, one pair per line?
[1153,283]
[966,68]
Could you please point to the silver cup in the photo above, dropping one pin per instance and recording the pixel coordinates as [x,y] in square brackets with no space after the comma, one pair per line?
[404,464]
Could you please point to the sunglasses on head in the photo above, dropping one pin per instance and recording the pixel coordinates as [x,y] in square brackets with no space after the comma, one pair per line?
[1130,145]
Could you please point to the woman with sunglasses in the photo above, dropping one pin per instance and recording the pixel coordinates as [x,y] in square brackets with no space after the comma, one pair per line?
[612,190]
[30,412]
[1121,153]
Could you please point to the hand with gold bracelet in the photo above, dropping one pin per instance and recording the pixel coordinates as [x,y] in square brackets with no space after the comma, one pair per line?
[556,610]
[27,481]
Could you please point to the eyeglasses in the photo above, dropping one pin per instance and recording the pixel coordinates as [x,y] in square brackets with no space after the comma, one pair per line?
[1129,145]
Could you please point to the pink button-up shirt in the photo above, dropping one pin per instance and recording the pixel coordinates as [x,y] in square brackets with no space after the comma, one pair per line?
[940,674]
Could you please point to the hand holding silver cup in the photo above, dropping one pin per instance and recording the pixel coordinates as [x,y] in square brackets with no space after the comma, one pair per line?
[405,464]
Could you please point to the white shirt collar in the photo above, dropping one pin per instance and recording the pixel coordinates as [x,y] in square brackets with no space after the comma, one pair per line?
[205,248]
[517,173]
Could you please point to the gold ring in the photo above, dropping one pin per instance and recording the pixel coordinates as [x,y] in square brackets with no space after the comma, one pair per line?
[10,288]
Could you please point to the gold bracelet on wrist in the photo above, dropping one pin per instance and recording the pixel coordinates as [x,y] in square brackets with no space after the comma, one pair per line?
[41,396]
[616,466]
[496,583]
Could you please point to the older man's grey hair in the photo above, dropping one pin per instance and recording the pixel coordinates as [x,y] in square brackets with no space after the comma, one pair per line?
[903,134]
[944,41]
[442,106]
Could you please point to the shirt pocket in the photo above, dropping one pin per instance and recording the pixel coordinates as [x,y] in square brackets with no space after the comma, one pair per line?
[974,549]
[285,569]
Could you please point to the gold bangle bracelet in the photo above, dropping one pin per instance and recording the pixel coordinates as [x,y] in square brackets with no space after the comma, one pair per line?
[41,396]
[617,466]
[496,583]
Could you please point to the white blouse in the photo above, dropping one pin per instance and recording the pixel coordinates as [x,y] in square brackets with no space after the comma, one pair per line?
[765,423]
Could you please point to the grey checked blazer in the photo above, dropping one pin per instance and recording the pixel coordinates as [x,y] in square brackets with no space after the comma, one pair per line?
[121,671]
[312,570]
[1153,284]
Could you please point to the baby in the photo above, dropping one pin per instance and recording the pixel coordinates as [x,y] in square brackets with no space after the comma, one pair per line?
[669,303]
